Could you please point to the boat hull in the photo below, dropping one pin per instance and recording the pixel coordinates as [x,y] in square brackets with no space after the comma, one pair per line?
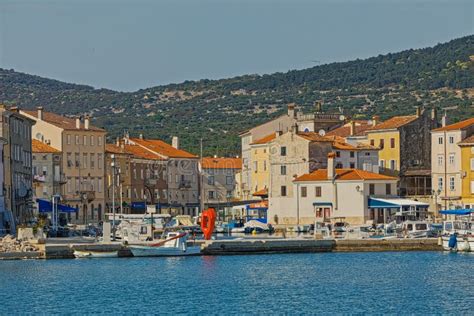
[149,251]
[95,254]
[464,244]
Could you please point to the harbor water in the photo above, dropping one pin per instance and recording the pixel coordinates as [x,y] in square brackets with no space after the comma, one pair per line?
[378,282]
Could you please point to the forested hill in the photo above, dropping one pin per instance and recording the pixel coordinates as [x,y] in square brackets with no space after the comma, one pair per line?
[217,110]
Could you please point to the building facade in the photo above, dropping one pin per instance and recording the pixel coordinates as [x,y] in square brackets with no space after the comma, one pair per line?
[447,165]
[467,167]
[83,153]
[219,183]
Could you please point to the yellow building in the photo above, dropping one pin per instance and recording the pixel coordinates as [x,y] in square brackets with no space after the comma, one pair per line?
[467,167]
[260,161]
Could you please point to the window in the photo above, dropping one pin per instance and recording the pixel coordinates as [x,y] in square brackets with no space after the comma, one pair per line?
[440,160]
[283,151]
[84,140]
[283,190]
[92,140]
[472,186]
[451,183]
[388,189]
[77,139]
[352,165]
[451,159]
[69,185]
[382,144]
[255,166]
[317,191]
[451,139]
[472,163]
[99,184]
[229,194]
[440,140]
[392,142]
[99,140]
[352,154]
[338,154]
[393,164]
[210,180]
[440,183]
[68,139]
[339,165]
[84,161]
[382,163]
[372,142]
[229,180]
[212,194]
[304,192]
[92,161]
[264,165]
[283,170]
[76,156]
[69,160]
[371,189]
[99,161]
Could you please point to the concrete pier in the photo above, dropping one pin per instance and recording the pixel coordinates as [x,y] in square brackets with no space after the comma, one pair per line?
[373,245]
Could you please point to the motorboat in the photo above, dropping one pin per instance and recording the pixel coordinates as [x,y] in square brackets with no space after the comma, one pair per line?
[458,233]
[415,229]
[175,244]
[95,254]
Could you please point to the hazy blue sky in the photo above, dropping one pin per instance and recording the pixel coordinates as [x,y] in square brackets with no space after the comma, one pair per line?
[127,45]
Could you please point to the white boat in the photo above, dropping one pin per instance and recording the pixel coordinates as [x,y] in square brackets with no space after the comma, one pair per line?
[173,245]
[95,254]
[415,229]
[463,244]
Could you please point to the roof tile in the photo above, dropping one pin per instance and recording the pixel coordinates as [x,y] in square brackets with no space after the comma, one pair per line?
[456,126]
[40,147]
[343,174]
[221,163]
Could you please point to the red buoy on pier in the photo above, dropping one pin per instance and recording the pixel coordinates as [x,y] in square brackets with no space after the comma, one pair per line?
[208,221]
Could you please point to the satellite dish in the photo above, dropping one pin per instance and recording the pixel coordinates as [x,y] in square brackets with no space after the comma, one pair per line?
[342,118]
[39,135]
[306,130]
[322,132]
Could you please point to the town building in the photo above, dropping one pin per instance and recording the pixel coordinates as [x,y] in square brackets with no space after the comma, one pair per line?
[447,169]
[312,122]
[359,156]
[17,159]
[116,157]
[5,215]
[467,167]
[334,194]
[48,178]
[83,151]
[219,183]
[260,159]
[181,170]
[405,146]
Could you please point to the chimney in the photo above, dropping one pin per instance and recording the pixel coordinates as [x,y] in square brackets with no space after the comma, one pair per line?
[331,170]
[140,136]
[375,120]
[117,141]
[418,111]
[78,122]
[352,126]
[86,122]
[318,106]
[444,120]
[40,113]
[175,142]
[291,110]
[215,156]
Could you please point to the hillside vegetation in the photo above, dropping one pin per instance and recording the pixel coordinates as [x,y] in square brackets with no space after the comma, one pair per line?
[217,110]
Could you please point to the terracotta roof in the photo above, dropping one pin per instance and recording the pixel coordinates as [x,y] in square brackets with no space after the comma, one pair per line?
[221,163]
[314,137]
[345,131]
[40,147]
[139,152]
[343,146]
[262,192]
[114,149]
[392,123]
[456,126]
[162,148]
[62,121]
[265,139]
[343,174]
[467,141]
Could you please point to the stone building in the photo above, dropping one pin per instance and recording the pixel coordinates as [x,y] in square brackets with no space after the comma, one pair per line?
[260,160]
[5,215]
[405,150]
[447,170]
[181,170]
[467,167]
[48,178]
[219,183]
[123,188]
[83,153]
[17,158]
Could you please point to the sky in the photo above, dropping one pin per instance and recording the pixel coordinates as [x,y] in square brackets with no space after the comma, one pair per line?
[136,44]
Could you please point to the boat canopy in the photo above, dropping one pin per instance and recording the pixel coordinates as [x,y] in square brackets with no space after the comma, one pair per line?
[457,212]
[395,203]
[45,206]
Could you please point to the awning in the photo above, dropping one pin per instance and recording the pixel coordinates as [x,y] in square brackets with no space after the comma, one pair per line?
[258,206]
[45,206]
[262,192]
[456,212]
[322,204]
[394,203]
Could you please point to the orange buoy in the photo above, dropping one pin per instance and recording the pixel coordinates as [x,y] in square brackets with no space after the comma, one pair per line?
[208,221]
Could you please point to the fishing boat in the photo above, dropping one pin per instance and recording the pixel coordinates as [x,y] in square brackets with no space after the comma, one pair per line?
[175,244]
[95,254]
[458,233]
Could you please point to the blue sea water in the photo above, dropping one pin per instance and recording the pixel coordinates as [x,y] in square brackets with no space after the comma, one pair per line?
[375,283]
